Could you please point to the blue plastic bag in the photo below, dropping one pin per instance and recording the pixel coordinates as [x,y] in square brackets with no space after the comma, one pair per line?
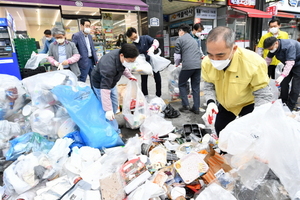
[78,141]
[86,111]
[29,142]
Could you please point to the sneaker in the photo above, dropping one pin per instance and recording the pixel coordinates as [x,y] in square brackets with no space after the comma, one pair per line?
[183,108]
[195,111]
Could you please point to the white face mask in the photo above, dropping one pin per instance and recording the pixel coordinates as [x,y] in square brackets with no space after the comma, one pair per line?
[48,38]
[274,30]
[273,50]
[137,39]
[60,40]
[127,64]
[202,37]
[220,64]
[87,30]
[198,34]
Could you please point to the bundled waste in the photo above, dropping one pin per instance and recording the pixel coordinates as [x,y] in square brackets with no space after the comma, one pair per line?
[60,146]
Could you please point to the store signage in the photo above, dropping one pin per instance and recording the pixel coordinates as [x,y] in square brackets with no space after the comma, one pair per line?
[269,1]
[179,23]
[272,10]
[154,21]
[3,22]
[289,5]
[205,13]
[181,14]
[242,3]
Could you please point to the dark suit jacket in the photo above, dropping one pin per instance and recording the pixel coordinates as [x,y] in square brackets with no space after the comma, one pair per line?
[78,39]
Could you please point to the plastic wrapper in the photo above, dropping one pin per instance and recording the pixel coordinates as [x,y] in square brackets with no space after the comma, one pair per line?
[8,130]
[158,62]
[34,61]
[141,66]
[97,132]
[270,189]
[215,191]
[42,121]
[29,142]
[133,147]
[260,134]
[82,158]
[135,107]
[40,94]
[146,191]
[27,172]
[12,95]
[155,125]
[157,105]
[112,160]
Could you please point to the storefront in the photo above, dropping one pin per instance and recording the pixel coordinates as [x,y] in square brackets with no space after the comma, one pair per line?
[239,18]
[108,20]
[205,15]
[288,11]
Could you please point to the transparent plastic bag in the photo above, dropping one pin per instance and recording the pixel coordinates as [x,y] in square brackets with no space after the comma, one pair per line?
[34,60]
[42,122]
[40,94]
[29,142]
[157,105]
[8,130]
[215,191]
[12,95]
[26,172]
[272,137]
[141,66]
[158,62]
[135,107]
[156,126]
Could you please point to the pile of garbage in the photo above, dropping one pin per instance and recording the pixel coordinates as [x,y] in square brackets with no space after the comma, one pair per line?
[53,130]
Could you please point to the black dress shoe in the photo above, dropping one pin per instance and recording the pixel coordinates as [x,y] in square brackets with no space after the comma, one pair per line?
[195,111]
[183,108]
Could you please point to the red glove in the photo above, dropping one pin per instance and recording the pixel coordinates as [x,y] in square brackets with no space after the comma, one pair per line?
[133,79]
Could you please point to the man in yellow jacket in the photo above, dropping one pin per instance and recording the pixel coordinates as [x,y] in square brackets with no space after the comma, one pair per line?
[234,77]
[274,31]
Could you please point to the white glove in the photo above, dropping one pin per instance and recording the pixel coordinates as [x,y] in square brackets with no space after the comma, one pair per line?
[279,80]
[56,63]
[210,110]
[60,67]
[109,115]
[151,50]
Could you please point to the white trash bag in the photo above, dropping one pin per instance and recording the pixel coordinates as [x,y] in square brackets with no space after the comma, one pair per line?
[141,66]
[34,60]
[158,62]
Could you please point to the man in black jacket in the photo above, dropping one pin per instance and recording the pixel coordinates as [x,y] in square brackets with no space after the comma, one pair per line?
[288,52]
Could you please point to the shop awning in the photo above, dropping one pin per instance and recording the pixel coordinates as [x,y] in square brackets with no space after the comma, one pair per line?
[137,5]
[284,14]
[251,12]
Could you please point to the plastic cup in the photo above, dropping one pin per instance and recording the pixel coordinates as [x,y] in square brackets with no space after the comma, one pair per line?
[207,139]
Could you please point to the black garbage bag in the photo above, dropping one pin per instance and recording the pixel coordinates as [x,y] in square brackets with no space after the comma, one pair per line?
[170,112]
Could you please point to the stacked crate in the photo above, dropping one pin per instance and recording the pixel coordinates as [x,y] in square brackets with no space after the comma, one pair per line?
[24,48]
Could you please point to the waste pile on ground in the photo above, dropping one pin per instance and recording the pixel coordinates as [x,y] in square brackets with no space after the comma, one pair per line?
[60,146]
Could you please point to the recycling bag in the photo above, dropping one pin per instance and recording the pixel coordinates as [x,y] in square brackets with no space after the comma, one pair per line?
[86,111]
